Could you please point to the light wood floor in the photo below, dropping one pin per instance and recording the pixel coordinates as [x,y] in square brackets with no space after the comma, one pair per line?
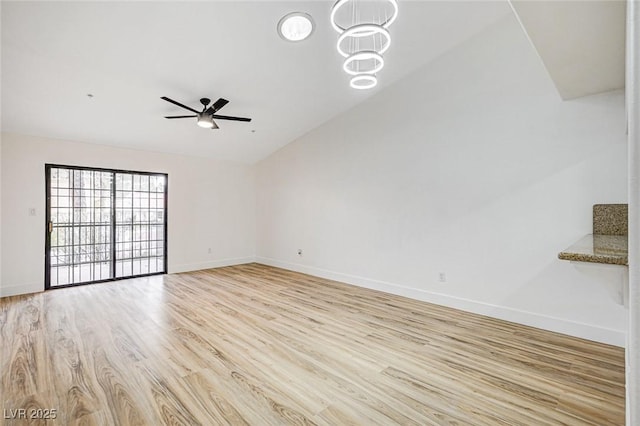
[258,345]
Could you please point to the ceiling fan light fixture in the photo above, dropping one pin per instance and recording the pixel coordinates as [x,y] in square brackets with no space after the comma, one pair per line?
[296,26]
[205,118]
[205,121]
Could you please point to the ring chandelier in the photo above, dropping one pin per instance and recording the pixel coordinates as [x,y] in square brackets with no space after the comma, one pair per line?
[375,63]
[364,37]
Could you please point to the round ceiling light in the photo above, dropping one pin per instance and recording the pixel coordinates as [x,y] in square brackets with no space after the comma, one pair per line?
[295,26]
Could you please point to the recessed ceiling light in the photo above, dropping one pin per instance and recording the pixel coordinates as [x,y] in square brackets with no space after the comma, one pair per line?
[295,26]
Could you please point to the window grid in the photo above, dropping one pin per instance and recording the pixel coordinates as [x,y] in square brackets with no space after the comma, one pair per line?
[79,212]
[104,224]
[139,224]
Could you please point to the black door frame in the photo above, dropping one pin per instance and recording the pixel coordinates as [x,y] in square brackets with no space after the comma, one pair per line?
[48,224]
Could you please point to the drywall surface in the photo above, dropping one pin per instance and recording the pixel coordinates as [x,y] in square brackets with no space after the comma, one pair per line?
[633,111]
[0,203]
[469,171]
[211,205]
[580,42]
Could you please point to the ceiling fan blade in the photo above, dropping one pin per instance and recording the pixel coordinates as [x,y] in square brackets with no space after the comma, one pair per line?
[180,116]
[179,104]
[226,117]
[215,126]
[216,106]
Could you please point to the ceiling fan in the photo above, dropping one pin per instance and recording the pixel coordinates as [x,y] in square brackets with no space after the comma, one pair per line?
[205,118]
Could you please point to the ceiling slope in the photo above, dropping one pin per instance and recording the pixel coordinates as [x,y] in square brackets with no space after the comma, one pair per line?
[581,43]
[129,54]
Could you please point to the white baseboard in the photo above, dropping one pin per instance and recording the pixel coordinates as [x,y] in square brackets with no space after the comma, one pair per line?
[15,290]
[559,325]
[187,267]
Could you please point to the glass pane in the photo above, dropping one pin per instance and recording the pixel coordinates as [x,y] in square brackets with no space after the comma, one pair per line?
[81,209]
[137,206]
[80,212]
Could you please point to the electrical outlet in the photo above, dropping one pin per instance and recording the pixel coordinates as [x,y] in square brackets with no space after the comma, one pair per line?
[209,250]
[299,252]
[442,277]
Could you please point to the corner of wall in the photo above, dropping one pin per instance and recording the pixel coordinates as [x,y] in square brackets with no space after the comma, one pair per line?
[188,267]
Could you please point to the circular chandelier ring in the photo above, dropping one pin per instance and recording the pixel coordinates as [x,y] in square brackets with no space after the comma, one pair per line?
[363,56]
[337,5]
[364,30]
[363,81]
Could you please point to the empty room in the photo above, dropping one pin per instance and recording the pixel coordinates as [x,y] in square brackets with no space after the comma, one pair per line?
[351,212]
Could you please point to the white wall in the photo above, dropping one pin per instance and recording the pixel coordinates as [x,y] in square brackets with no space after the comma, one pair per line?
[633,113]
[0,169]
[211,205]
[0,204]
[471,166]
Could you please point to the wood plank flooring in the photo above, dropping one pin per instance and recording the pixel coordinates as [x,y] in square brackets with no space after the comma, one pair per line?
[257,345]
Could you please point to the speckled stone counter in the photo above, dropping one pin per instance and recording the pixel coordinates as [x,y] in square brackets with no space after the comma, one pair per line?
[610,219]
[610,249]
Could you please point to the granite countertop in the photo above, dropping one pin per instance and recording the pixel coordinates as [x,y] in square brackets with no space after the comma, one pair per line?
[611,249]
[610,219]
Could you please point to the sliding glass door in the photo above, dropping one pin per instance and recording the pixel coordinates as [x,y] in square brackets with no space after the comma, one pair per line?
[104,224]
[140,224]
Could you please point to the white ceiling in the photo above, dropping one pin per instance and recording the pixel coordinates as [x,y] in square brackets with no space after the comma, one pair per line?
[582,43]
[129,54]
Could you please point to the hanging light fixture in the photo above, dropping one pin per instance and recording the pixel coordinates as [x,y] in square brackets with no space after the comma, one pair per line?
[363,37]
[363,81]
[340,27]
[361,31]
[372,60]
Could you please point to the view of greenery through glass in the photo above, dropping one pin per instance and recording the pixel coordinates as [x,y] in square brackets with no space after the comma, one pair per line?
[100,230]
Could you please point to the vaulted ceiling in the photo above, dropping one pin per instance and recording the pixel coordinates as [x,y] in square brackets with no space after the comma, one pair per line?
[581,43]
[129,54]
